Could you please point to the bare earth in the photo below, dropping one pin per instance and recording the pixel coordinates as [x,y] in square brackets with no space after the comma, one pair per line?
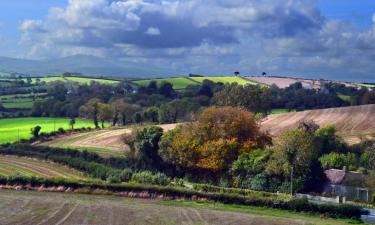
[21,207]
[105,142]
[351,122]
[282,82]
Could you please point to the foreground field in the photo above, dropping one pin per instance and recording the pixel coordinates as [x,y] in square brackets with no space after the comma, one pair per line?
[59,208]
[12,130]
[352,122]
[104,142]
[18,166]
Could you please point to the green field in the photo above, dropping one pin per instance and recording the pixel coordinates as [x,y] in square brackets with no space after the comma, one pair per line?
[14,129]
[365,85]
[81,80]
[178,83]
[344,97]
[26,167]
[228,79]
[21,101]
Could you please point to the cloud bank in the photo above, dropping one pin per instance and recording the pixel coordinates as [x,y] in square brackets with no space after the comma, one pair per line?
[207,36]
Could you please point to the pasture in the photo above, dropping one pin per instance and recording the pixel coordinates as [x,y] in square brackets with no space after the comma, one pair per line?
[14,129]
[81,80]
[21,101]
[26,167]
[225,80]
[25,207]
[179,83]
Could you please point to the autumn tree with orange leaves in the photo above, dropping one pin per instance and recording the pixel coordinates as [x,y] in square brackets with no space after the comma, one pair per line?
[214,141]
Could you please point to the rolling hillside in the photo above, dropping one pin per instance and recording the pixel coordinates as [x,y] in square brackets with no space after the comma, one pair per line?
[351,122]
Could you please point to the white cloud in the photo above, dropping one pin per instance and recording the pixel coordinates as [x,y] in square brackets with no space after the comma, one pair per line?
[153,31]
[209,36]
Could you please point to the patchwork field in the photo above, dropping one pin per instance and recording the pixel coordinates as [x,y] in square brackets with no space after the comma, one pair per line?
[351,122]
[179,83]
[12,130]
[21,207]
[17,166]
[104,142]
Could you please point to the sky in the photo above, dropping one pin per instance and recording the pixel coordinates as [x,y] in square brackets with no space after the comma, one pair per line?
[331,39]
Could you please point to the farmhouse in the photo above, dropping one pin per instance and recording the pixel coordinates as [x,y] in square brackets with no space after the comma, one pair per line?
[347,184]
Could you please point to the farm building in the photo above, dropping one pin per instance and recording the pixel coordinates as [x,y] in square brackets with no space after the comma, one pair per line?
[347,184]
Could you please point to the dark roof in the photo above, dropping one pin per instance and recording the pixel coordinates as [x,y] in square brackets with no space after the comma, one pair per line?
[342,177]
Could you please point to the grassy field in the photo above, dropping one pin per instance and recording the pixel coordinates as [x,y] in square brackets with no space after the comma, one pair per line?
[18,166]
[179,83]
[24,207]
[224,80]
[81,80]
[21,101]
[14,129]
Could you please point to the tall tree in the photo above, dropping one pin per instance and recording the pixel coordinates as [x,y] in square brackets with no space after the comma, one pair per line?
[91,111]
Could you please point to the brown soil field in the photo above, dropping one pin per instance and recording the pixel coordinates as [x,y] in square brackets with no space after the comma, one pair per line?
[283,82]
[13,165]
[105,142]
[350,122]
[25,207]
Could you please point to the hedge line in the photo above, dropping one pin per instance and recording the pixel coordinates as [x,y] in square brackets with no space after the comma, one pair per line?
[296,204]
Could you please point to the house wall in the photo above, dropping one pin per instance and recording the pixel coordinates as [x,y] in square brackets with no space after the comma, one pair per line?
[349,192]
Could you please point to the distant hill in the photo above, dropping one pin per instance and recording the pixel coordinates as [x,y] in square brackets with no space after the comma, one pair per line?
[87,65]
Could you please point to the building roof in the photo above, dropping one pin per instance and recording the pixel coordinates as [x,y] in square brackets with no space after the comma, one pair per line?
[342,177]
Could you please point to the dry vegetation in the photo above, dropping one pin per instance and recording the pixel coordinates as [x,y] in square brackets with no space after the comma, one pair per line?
[12,165]
[20,207]
[283,82]
[107,142]
[351,122]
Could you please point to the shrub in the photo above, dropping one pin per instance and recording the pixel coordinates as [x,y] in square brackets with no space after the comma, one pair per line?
[147,177]
[61,130]
[126,175]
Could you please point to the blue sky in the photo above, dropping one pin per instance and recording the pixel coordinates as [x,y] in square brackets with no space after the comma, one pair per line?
[312,38]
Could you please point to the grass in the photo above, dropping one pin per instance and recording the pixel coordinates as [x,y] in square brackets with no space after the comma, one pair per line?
[344,97]
[178,83]
[22,101]
[267,213]
[68,208]
[365,85]
[279,111]
[14,129]
[19,166]
[81,80]
[228,79]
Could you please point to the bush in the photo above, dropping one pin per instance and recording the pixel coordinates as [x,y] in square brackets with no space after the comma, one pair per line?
[126,175]
[61,130]
[147,177]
